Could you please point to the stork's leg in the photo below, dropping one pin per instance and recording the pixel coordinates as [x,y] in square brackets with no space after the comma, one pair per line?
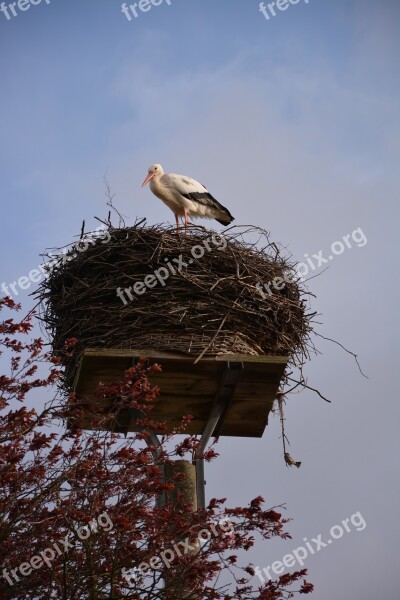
[177,223]
[186,221]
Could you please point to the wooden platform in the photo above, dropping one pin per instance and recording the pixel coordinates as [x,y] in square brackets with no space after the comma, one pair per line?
[246,385]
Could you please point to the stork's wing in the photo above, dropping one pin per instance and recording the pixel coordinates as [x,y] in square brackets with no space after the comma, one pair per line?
[193,190]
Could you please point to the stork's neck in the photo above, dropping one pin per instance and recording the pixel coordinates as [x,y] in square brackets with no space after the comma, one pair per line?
[155,183]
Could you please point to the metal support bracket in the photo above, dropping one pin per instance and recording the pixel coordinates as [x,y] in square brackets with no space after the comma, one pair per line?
[124,419]
[230,377]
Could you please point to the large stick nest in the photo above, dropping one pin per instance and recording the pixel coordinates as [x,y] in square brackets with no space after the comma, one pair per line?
[208,307]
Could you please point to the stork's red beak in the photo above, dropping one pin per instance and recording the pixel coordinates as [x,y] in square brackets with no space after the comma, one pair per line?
[146,181]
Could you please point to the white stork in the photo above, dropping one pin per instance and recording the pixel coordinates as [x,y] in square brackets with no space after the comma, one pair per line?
[185,196]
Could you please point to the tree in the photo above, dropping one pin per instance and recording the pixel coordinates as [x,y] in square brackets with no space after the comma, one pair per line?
[78,512]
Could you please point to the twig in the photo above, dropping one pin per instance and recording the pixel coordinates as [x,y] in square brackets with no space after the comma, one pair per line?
[281,400]
[304,384]
[110,197]
[345,349]
[289,460]
[212,340]
[102,221]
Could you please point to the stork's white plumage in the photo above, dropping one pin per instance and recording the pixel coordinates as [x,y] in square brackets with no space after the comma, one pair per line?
[185,196]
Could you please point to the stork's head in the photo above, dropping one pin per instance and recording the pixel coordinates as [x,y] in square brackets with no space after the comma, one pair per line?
[154,170]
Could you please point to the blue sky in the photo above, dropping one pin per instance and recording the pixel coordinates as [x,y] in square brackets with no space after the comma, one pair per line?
[293,124]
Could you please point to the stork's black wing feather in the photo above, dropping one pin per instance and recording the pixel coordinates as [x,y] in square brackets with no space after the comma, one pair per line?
[207,199]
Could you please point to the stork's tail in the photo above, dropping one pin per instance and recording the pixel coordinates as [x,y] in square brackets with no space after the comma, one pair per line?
[227,219]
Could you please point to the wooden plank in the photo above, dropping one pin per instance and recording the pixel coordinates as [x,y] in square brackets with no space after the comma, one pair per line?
[105,371]
[97,370]
[134,352]
[193,386]
[151,353]
[239,427]
[247,420]
[248,358]
[250,390]
[104,366]
[164,405]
